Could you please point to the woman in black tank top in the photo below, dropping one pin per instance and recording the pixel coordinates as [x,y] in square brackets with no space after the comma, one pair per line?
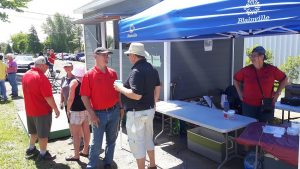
[78,116]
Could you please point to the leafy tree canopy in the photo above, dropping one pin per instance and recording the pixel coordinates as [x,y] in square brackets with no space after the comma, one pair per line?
[8,49]
[33,46]
[19,41]
[291,67]
[63,35]
[16,5]
[2,47]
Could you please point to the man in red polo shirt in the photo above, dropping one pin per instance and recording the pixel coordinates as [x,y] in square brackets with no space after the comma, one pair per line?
[39,103]
[101,101]
[51,60]
[258,80]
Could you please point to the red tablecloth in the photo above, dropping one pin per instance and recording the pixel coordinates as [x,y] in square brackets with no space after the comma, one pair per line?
[284,148]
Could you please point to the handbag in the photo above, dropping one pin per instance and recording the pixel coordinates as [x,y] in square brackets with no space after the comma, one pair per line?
[266,103]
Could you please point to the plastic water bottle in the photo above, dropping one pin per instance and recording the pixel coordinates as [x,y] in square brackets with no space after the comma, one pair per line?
[226,108]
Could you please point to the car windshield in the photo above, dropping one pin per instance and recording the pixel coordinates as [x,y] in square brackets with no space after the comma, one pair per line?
[24,58]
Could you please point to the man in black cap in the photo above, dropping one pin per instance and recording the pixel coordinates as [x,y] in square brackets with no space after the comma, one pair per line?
[258,80]
[101,100]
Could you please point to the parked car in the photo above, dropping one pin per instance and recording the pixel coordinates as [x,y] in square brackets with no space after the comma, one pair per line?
[72,57]
[63,56]
[82,59]
[79,55]
[66,56]
[58,56]
[24,62]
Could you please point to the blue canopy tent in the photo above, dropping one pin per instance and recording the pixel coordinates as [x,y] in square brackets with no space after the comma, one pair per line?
[177,20]
[198,19]
[181,20]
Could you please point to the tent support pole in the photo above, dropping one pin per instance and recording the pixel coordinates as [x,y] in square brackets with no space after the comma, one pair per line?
[167,69]
[120,61]
[103,34]
[232,60]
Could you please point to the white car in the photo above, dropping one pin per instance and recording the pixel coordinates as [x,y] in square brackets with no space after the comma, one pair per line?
[24,62]
[82,59]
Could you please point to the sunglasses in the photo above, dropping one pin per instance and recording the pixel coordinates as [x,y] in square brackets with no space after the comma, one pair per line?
[254,55]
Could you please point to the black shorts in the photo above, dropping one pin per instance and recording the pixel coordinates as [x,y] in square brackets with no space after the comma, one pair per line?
[40,125]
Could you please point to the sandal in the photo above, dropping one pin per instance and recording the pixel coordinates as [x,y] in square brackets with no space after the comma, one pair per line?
[72,159]
[83,155]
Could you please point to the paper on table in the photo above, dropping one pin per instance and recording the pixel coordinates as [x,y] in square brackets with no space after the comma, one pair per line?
[276,131]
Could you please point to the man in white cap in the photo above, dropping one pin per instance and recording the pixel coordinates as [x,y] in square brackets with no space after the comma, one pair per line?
[39,103]
[139,95]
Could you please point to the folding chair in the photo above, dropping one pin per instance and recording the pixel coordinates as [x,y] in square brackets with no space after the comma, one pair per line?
[54,80]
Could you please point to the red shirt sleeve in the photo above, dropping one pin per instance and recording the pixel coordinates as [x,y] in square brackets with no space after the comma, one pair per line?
[85,86]
[278,74]
[239,76]
[46,88]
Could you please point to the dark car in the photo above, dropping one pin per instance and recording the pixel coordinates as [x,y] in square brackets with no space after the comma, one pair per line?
[79,55]
[24,62]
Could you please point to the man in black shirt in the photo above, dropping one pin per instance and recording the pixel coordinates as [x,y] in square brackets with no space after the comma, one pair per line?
[139,94]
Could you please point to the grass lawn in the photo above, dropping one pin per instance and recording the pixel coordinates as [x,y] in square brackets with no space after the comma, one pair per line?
[13,139]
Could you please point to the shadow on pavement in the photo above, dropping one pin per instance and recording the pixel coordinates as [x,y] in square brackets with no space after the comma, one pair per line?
[50,164]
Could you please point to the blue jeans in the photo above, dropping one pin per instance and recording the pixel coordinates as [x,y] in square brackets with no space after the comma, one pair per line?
[3,89]
[255,112]
[12,79]
[109,121]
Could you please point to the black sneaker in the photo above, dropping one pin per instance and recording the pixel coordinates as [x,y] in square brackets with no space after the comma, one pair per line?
[31,153]
[46,157]
[15,96]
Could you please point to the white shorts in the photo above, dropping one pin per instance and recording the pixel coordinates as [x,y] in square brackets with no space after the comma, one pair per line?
[78,117]
[139,126]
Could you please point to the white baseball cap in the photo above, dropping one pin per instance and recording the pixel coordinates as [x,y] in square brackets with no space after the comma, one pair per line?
[78,70]
[40,60]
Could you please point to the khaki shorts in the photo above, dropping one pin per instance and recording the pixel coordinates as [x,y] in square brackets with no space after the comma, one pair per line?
[139,125]
[78,117]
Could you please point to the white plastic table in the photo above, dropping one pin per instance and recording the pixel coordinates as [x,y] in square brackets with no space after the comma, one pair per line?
[205,117]
[288,108]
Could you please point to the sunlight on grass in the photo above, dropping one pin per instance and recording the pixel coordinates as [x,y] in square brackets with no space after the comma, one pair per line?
[13,139]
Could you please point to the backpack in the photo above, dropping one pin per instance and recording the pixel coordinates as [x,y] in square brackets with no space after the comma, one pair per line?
[233,99]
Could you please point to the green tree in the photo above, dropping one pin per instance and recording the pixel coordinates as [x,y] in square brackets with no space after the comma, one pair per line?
[16,5]
[20,42]
[291,67]
[62,33]
[110,42]
[75,44]
[34,46]
[269,55]
[2,47]
[8,49]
